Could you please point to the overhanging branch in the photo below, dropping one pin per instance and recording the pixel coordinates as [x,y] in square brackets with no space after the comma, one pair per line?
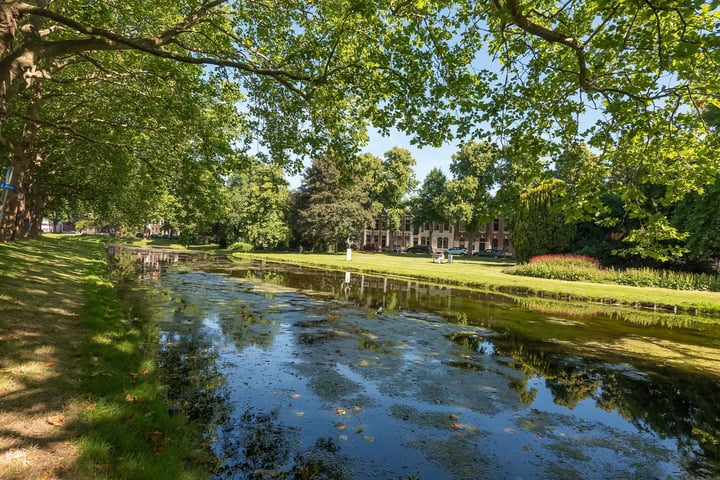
[107,40]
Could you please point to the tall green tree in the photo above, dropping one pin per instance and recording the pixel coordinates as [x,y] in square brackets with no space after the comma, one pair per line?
[539,224]
[469,195]
[629,79]
[626,78]
[124,144]
[390,181]
[311,82]
[429,205]
[255,207]
[329,208]
[697,213]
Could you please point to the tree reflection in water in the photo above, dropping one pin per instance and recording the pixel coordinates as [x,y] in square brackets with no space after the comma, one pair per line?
[429,344]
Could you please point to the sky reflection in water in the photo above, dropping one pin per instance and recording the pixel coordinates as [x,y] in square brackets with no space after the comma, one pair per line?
[315,386]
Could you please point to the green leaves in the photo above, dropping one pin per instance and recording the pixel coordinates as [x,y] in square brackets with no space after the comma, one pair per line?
[328,210]
[169,93]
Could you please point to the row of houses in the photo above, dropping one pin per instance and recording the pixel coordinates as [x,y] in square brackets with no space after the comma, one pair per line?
[495,235]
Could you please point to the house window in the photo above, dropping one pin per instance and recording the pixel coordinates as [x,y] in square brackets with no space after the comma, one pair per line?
[496,225]
[495,244]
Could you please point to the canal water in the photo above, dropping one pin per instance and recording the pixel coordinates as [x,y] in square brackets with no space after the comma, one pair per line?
[306,374]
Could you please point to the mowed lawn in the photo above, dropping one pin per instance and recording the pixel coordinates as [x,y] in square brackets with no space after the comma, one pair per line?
[490,275]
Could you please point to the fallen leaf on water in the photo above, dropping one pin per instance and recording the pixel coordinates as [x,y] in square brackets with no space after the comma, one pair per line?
[509,430]
[527,448]
[369,439]
[453,417]
[300,413]
[459,426]
[294,395]
[357,409]
[55,420]
[341,426]
[340,411]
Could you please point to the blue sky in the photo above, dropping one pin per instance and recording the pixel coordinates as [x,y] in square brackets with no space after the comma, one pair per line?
[426,158]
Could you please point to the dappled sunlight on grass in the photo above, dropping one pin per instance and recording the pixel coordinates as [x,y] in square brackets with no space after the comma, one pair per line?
[77,400]
[39,332]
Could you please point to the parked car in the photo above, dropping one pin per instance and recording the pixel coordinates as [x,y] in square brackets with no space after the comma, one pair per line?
[371,247]
[397,248]
[419,249]
[491,253]
[456,251]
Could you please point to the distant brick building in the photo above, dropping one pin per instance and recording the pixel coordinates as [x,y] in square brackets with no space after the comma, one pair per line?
[495,235]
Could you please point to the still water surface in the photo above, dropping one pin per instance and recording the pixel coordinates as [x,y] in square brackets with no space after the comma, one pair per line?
[307,374]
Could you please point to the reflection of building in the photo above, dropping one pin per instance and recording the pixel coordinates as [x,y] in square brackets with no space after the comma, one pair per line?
[495,235]
[160,228]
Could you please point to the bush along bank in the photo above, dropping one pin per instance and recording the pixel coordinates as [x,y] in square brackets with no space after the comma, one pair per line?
[582,268]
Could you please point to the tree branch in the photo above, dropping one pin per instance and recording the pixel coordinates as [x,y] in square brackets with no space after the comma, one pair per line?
[108,40]
[553,36]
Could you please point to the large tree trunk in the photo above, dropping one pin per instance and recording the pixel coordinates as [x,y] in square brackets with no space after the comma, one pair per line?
[24,209]
[13,65]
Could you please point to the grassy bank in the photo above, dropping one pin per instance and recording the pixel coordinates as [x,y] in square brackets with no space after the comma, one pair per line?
[78,393]
[489,275]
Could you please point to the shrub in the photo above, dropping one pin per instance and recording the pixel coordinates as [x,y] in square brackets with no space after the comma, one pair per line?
[584,268]
[581,261]
[563,267]
[648,277]
[241,247]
